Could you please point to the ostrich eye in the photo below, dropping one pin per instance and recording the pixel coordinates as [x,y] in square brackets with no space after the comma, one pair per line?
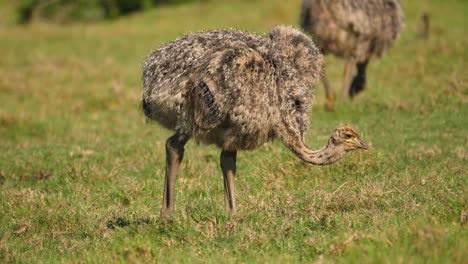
[297,104]
[348,136]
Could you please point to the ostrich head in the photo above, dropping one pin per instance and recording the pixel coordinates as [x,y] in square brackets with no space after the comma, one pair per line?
[346,138]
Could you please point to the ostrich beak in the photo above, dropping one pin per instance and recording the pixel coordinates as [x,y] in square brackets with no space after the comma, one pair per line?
[361,144]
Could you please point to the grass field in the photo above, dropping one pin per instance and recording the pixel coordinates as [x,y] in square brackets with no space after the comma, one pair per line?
[81,172]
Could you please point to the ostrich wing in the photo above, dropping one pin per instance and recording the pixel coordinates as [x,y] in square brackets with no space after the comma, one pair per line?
[234,87]
[377,21]
[353,20]
[206,112]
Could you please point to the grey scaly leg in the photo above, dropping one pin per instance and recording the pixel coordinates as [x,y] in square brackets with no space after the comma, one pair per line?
[228,166]
[174,155]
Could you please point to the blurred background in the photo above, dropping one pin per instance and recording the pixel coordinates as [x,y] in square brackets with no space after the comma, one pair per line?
[63,11]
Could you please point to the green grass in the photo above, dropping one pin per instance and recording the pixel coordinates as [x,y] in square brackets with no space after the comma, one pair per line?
[81,173]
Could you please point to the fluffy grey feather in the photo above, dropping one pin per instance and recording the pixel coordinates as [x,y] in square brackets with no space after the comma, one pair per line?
[233,88]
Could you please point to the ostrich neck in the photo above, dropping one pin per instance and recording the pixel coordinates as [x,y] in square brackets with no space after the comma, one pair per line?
[328,154]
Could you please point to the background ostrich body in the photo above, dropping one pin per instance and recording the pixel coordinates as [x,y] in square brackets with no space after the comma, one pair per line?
[232,88]
[355,29]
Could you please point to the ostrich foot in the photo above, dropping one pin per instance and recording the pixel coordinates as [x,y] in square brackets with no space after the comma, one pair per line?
[330,103]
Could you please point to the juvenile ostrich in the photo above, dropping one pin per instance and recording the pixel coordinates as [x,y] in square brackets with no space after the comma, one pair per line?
[352,29]
[237,90]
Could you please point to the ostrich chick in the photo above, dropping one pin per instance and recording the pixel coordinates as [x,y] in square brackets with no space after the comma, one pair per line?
[355,30]
[237,90]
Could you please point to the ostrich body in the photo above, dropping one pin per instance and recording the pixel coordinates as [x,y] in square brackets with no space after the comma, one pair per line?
[236,90]
[355,30]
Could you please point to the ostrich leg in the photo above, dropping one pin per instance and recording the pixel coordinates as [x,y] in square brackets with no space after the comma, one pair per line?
[359,82]
[329,94]
[228,166]
[174,155]
[348,74]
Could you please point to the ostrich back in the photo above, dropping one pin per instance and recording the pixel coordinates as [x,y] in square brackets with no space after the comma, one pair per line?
[223,87]
[357,28]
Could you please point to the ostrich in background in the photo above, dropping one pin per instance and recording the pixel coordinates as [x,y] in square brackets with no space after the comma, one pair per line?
[352,29]
[237,90]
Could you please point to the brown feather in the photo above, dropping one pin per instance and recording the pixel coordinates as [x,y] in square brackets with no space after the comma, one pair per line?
[357,28]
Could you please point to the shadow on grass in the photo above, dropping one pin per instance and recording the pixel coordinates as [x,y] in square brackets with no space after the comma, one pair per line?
[121,222]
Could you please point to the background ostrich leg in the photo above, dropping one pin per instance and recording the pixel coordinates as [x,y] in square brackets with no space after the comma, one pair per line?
[174,155]
[228,166]
[359,82]
[349,72]
[329,94]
